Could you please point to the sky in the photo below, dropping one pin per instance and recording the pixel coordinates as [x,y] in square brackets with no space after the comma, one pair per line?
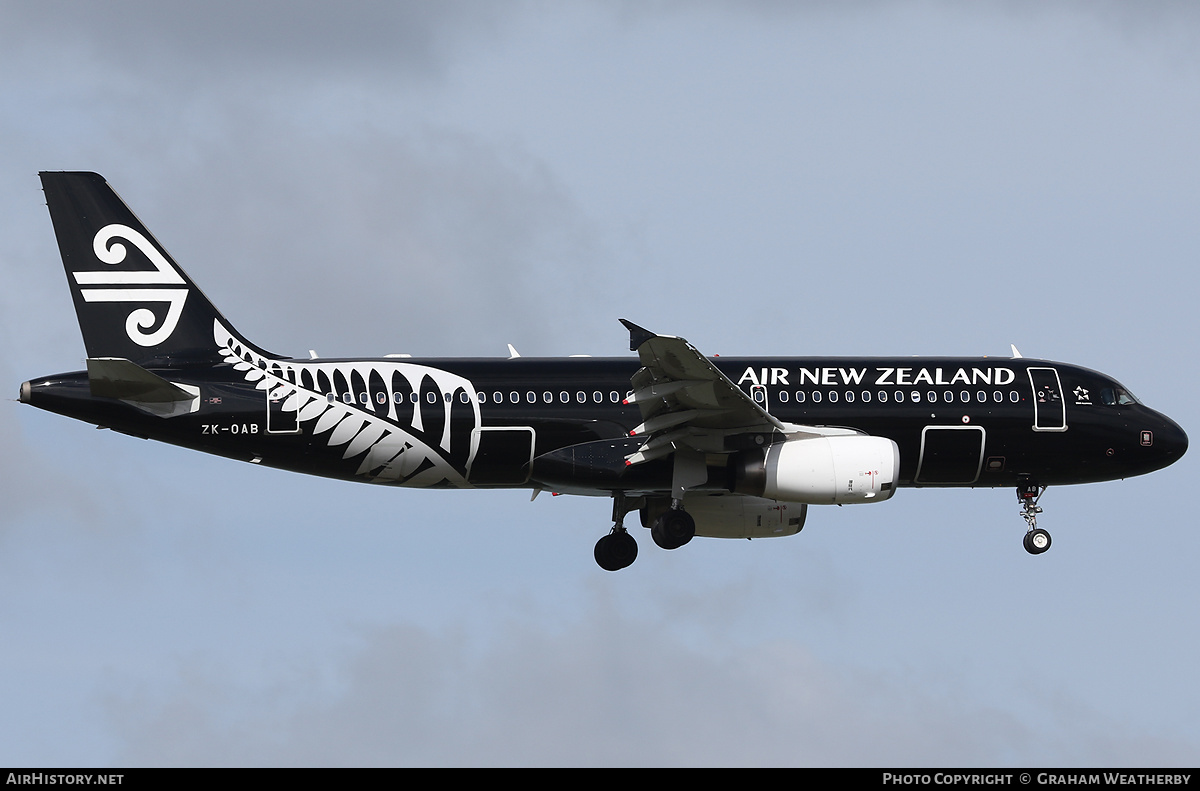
[443,179]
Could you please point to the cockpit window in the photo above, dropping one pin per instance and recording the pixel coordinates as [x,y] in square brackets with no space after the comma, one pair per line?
[1117,396]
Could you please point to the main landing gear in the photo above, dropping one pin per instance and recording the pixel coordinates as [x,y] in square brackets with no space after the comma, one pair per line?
[618,549]
[671,530]
[1036,540]
[674,528]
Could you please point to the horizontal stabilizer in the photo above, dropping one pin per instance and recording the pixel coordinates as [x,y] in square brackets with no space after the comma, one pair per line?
[115,377]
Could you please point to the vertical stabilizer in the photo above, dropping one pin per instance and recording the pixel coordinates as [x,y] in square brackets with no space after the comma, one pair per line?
[132,299]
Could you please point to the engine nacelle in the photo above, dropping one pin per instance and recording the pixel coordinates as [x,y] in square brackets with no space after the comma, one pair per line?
[736,516]
[822,470]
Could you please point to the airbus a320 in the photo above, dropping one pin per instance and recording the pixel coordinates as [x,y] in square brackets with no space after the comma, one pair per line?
[696,445]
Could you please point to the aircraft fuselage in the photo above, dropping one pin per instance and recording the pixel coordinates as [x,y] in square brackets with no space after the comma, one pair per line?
[957,421]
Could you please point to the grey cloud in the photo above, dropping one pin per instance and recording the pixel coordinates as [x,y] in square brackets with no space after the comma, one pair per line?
[423,243]
[226,38]
[607,690]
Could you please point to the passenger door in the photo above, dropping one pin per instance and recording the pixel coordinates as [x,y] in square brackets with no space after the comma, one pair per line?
[1049,409]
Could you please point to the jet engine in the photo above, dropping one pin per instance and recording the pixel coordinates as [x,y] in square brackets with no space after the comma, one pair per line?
[821,470]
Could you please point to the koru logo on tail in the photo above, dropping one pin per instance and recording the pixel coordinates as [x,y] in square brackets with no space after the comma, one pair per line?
[172,289]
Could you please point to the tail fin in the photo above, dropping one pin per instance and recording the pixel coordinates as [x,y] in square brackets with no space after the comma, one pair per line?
[132,299]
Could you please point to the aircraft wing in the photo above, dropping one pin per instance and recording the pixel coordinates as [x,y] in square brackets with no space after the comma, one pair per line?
[686,401]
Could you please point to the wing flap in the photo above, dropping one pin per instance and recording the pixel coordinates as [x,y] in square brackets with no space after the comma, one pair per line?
[687,402]
[675,377]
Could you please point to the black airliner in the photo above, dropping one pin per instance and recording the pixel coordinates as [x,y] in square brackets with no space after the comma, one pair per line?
[700,446]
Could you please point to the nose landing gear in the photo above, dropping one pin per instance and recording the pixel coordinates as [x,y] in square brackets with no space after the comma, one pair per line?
[1036,540]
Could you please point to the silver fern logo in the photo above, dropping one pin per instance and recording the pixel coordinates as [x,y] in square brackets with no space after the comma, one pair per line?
[171,288]
[399,423]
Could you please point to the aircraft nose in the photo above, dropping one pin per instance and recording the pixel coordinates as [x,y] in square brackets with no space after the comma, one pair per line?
[1171,441]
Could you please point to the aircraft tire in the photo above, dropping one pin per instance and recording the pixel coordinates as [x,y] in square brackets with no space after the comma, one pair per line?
[1037,541]
[673,529]
[616,551]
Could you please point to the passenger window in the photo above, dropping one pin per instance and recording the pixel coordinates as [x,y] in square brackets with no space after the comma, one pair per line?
[615,397]
[849,396]
[998,397]
[965,396]
[816,396]
[866,396]
[514,397]
[981,397]
[1014,396]
[531,397]
[783,396]
[799,396]
[598,397]
[833,396]
[882,396]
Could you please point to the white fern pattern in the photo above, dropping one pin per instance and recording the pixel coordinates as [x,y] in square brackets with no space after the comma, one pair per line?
[426,441]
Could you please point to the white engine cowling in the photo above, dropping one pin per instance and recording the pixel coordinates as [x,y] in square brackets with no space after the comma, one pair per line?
[823,470]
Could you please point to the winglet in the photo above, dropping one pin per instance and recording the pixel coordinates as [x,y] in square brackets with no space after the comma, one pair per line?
[1016,354]
[637,335]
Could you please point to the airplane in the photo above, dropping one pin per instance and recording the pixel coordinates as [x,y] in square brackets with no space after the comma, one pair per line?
[698,446]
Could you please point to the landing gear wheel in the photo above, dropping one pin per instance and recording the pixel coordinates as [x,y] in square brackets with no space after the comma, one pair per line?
[673,529]
[616,550]
[1037,541]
